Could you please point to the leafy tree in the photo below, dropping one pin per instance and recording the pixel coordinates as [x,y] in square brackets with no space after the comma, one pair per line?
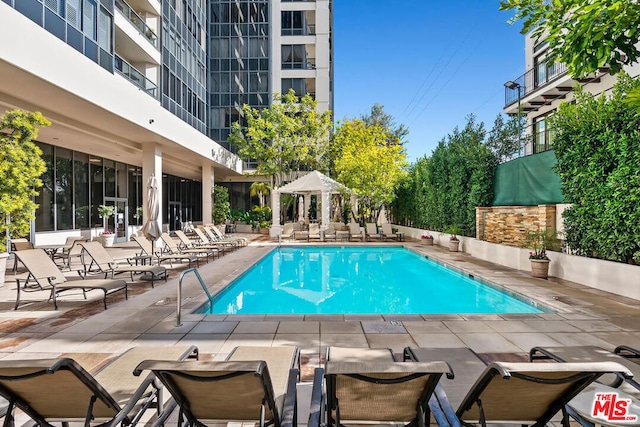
[221,206]
[288,136]
[367,164]
[584,34]
[21,166]
[596,144]
[504,139]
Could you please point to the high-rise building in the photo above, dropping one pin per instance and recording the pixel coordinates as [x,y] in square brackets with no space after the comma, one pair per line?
[136,88]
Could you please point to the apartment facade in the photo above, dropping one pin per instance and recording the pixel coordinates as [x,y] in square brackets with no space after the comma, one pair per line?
[136,88]
[539,91]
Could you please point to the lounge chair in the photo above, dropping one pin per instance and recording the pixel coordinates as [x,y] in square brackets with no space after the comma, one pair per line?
[314,231]
[70,252]
[148,253]
[365,385]
[45,275]
[590,353]
[355,232]
[214,237]
[288,229]
[386,232]
[187,243]
[19,244]
[205,239]
[100,261]
[256,384]
[330,233]
[242,241]
[50,390]
[371,231]
[171,248]
[529,393]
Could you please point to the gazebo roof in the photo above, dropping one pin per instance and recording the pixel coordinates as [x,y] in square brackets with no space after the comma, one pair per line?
[313,182]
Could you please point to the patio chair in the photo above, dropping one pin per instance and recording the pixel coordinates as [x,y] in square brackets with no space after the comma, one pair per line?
[287,230]
[100,261]
[529,393]
[19,244]
[355,232]
[45,275]
[386,232]
[171,248]
[368,385]
[70,252]
[314,231]
[371,231]
[204,239]
[60,389]
[330,233]
[187,243]
[589,353]
[256,384]
[147,252]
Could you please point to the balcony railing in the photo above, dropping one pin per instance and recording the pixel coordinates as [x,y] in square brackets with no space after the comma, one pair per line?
[137,22]
[533,80]
[307,30]
[134,76]
[308,64]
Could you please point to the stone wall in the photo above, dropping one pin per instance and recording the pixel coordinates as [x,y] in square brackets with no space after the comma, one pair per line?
[508,225]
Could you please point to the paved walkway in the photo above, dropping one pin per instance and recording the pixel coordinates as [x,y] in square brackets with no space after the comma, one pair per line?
[85,331]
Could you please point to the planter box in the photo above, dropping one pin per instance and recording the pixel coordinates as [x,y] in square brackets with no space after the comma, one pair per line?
[540,268]
[453,245]
[427,242]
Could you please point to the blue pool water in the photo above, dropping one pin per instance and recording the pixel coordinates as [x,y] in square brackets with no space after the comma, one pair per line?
[358,280]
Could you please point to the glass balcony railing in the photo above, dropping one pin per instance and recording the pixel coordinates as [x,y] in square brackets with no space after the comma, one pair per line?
[134,76]
[307,30]
[137,22]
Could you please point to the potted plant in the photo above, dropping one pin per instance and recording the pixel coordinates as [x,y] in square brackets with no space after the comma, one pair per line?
[104,212]
[107,238]
[427,239]
[454,242]
[21,166]
[540,241]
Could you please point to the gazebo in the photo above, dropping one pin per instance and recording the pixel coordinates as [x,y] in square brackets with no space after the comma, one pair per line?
[311,183]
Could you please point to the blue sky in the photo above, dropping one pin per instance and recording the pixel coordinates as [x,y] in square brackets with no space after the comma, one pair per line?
[429,62]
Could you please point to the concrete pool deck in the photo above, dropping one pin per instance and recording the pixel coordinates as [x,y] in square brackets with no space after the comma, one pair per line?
[91,335]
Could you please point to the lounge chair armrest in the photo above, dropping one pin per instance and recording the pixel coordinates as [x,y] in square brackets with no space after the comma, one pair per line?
[363,368]
[316,408]
[627,352]
[289,408]
[539,353]
[441,409]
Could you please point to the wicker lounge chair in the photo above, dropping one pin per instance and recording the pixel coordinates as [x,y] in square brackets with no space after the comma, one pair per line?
[623,355]
[98,260]
[187,243]
[147,252]
[368,385]
[355,232]
[172,248]
[50,390]
[255,384]
[45,275]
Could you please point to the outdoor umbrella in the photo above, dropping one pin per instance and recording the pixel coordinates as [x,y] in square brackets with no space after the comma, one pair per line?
[151,230]
[301,209]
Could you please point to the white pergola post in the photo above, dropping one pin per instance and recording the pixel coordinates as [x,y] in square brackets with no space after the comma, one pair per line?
[276,227]
[326,209]
[307,205]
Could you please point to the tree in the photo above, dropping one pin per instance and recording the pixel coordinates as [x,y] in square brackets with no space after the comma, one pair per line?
[584,34]
[504,139]
[288,136]
[367,164]
[396,134]
[221,206]
[259,189]
[21,166]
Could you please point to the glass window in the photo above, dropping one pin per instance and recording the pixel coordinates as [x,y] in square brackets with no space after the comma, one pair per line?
[298,85]
[293,23]
[89,18]
[293,56]
[55,5]
[81,189]
[121,180]
[44,213]
[64,189]
[73,13]
[104,30]
[97,189]
[109,178]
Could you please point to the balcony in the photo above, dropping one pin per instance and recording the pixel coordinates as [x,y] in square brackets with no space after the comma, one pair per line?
[134,76]
[137,22]
[533,80]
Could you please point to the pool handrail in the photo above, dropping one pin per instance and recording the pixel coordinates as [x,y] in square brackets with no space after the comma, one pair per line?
[179,291]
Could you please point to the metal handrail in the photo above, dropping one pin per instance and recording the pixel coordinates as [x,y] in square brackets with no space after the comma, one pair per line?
[179,298]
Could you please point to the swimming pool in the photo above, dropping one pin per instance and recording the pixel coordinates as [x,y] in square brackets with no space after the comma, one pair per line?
[359,280]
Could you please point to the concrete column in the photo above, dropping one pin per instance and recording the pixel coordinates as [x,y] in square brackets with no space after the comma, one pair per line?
[547,216]
[207,192]
[152,165]
[276,227]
